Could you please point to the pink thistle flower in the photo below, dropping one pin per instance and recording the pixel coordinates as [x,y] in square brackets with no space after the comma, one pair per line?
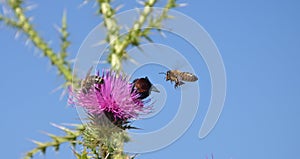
[114,97]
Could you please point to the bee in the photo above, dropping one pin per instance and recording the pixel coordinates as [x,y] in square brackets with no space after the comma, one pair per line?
[143,87]
[89,81]
[178,76]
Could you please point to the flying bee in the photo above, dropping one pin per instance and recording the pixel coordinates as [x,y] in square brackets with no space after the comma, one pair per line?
[143,87]
[178,76]
[89,81]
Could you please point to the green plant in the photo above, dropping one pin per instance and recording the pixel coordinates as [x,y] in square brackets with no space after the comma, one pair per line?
[118,45]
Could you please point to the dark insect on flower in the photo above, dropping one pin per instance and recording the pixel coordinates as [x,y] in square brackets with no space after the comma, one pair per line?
[143,87]
[113,97]
[89,81]
[178,76]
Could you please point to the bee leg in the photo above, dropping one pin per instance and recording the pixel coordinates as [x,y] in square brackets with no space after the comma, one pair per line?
[98,89]
[179,83]
[176,85]
[85,91]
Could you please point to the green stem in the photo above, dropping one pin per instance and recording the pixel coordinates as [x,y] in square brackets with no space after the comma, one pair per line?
[9,22]
[118,45]
[109,21]
[28,29]
[65,43]
[156,23]
[70,137]
[113,36]
[135,30]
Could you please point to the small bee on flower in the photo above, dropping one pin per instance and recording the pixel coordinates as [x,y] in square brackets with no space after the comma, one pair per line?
[113,96]
[89,81]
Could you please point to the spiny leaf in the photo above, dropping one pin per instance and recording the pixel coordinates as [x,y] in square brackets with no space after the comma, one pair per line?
[68,131]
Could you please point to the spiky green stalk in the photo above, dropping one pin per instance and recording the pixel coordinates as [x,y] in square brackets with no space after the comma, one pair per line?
[118,46]
[65,43]
[70,137]
[22,23]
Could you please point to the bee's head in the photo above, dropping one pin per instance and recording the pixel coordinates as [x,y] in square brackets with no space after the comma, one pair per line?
[168,75]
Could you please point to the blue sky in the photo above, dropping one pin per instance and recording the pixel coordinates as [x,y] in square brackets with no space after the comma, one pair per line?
[259,43]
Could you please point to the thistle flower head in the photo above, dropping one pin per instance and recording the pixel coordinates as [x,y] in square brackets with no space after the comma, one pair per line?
[113,96]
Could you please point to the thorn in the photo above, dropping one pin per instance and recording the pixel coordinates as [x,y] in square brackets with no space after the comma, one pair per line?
[60,127]
[182,4]
[162,34]
[6,11]
[107,156]
[71,124]
[119,7]
[30,7]
[65,13]
[27,42]
[131,59]
[99,43]
[63,93]
[17,35]
[140,2]
[48,134]
[38,54]
[72,60]
[140,49]
[56,89]
[36,142]
[83,3]
[30,19]
[95,62]
[103,62]
[127,28]
[138,10]
[133,156]
[57,28]
[36,51]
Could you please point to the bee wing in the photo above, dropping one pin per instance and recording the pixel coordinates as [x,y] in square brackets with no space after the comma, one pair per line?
[89,72]
[179,77]
[190,77]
